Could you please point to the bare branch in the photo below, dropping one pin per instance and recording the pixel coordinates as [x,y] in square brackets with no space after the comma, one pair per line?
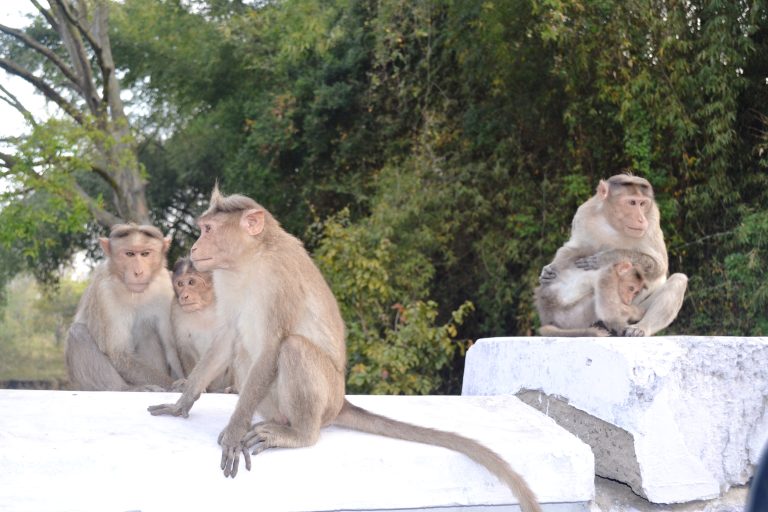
[70,32]
[47,14]
[50,93]
[102,216]
[14,102]
[45,52]
[8,160]
[75,21]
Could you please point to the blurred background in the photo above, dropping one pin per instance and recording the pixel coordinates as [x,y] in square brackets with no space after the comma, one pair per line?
[430,154]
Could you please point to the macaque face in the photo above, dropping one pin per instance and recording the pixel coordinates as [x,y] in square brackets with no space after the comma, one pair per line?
[194,291]
[136,259]
[629,289]
[629,213]
[217,242]
[631,282]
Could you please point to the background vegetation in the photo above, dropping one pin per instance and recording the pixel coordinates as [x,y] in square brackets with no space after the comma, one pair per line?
[431,153]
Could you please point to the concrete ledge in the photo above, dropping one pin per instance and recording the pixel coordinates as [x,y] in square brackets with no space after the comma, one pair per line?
[64,450]
[676,418]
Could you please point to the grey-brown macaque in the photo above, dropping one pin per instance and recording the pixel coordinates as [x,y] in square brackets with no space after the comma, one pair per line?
[121,337]
[609,312]
[620,222]
[193,317]
[280,327]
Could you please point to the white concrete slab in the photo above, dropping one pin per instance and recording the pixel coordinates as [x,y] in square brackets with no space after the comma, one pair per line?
[677,418]
[81,451]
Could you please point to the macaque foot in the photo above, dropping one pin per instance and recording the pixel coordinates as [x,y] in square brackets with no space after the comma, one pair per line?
[601,329]
[261,434]
[232,445]
[633,331]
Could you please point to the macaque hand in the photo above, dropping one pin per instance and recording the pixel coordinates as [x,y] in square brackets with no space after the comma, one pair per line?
[180,408]
[231,441]
[548,274]
[588,263]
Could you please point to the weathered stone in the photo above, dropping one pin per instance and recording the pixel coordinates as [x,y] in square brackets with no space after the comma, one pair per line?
[676,418]
[103,451]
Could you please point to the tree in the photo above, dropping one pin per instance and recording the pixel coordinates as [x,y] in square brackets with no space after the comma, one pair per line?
[67,56]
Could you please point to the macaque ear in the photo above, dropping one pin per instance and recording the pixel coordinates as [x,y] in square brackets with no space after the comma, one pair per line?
[623,267]
[603,189]
[252,221]
[166,244]
[104,243]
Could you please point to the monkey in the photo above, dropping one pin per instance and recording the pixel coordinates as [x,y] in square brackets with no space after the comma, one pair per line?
[193,318]
[609,312]
[620,221]
[279,324]
[120,338]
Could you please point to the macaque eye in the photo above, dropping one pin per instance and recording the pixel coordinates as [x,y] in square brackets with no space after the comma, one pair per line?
[179,284]
[130,254]
[191,282]
[144,253]
[207,228]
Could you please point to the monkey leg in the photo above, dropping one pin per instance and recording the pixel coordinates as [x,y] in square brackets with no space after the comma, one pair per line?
[309,393]
[594,331]
[663,305]
[89,368]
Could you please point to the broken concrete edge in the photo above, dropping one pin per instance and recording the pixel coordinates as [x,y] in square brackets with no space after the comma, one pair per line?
[643,386]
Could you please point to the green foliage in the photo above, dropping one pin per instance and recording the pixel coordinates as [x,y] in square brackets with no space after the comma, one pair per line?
[395,342]
[33,329]
[434,153]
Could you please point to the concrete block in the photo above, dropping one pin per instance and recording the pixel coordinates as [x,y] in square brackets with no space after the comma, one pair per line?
[676,418]
[101,451]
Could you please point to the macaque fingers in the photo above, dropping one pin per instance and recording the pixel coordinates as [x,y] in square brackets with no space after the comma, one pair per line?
[588,263]
[169,409]
[548,274]
[230,459]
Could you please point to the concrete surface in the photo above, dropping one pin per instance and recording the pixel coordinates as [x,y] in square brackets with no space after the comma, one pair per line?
[677,418]
[101,451]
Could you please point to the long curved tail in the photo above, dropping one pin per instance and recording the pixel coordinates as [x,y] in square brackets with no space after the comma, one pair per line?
[357,418]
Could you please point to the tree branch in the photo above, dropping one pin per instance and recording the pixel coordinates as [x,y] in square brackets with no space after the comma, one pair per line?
[77,52]
[14,102]
[101,215]
[8,160]
[45,52]
[46,14]
[49,92]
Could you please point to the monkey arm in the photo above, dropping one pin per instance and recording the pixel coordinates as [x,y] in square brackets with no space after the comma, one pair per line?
[256,386]
[647,263]
[213,362]
[564,257]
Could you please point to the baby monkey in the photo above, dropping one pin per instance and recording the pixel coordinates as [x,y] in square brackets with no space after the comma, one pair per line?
[193,319]
[617,287]
[609,313]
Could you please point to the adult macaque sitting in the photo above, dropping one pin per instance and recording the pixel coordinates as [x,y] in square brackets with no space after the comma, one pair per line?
[620,222]
[280,328]
[193,317]
[121,336]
